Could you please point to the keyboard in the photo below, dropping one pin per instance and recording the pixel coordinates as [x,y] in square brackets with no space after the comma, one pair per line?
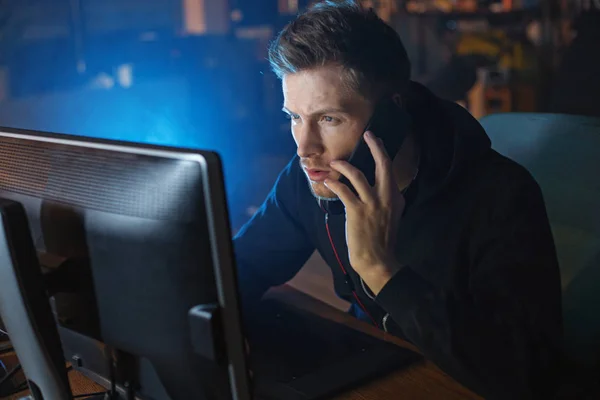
[297,355]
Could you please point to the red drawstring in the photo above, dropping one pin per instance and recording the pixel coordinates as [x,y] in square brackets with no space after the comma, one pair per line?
[337,257]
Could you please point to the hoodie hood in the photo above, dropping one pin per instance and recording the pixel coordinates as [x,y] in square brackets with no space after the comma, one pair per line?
[451,139]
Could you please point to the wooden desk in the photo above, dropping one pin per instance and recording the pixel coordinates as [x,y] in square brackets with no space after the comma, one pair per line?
[421,381]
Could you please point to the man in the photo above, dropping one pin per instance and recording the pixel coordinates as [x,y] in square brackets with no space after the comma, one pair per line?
[450,249]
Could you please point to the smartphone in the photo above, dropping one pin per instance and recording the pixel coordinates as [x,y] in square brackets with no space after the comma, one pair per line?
[390,123]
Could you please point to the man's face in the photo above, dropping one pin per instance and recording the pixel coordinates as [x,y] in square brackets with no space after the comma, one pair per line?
[327,120]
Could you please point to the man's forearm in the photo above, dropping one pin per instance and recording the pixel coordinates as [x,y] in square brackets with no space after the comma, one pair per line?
[486,346]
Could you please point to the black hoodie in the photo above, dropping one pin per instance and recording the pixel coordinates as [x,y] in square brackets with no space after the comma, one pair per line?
[479,293]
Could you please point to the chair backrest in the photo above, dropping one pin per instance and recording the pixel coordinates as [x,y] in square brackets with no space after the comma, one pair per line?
[562,152]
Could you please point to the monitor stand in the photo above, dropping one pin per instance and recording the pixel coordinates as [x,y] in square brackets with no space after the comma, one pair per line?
[27,314]
[25,308]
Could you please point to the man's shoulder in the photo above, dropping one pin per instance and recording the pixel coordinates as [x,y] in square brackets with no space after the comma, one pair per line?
[503,179]
[292,168]
[289,177]
[506,169]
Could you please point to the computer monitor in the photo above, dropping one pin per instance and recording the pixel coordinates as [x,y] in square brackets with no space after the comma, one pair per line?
[127,235]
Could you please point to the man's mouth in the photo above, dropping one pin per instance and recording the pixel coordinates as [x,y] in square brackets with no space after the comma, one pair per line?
[316,175]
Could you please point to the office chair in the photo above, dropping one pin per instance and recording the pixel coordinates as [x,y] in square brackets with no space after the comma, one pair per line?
[562,152]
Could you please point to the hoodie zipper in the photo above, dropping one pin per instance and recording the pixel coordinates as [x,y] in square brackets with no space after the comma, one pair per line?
[384,322]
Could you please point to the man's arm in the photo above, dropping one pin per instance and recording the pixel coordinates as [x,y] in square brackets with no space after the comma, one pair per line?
[272,247]
[502,338]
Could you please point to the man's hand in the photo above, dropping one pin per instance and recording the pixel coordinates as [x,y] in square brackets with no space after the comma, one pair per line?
[371,218]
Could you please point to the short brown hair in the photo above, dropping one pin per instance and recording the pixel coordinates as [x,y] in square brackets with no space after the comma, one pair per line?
[343,33]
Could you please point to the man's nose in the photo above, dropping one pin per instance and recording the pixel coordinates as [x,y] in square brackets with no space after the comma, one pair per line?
[308,141]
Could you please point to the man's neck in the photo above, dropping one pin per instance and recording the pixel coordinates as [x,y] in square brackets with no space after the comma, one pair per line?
[406,162]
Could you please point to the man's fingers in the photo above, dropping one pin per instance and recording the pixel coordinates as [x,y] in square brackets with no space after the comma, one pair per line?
[356,178]
[382,159]
[383,164]
[343,192]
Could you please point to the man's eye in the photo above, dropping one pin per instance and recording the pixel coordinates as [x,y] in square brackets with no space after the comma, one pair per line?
[292,116]
[328,119]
